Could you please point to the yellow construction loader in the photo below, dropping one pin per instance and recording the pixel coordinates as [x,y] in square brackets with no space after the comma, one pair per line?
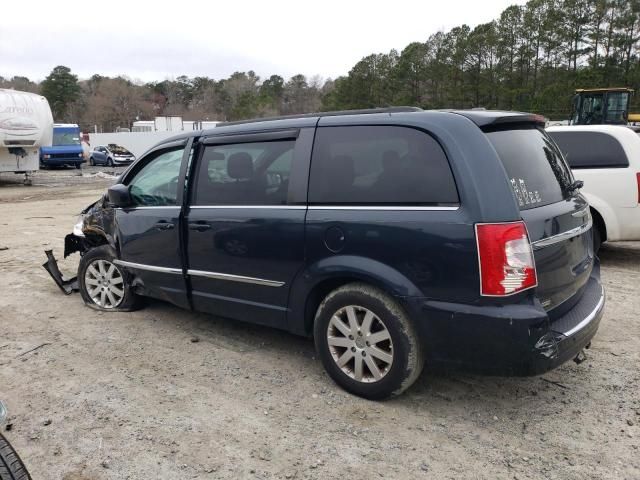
[598,106]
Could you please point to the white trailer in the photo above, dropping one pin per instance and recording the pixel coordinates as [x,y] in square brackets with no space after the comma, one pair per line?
[168,124]
[172,124]
[26,124]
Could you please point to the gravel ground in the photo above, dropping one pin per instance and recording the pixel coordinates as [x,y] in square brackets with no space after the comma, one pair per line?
[164,393]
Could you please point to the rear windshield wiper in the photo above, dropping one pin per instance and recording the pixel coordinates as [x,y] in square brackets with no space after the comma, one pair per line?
[575,186]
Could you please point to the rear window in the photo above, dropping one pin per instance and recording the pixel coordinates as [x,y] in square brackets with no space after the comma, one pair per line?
[379,165]
[538,174]
[591,150]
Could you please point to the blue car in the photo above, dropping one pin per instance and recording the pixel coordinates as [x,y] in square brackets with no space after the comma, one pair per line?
[395,237]
[111,155]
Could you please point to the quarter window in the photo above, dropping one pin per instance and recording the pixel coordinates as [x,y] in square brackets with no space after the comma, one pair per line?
[244,174]
[591,149]
[156,184]
[379,165]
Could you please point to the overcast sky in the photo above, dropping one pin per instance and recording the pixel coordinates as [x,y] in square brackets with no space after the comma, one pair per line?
[157,40]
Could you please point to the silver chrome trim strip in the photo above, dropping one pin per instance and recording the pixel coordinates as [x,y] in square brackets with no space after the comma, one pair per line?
[200,273]
[329,207]
[278,207]
[561,237]
[235,278]
[379,207]
[150,268]
[588,318]
[173,207]
[581,213]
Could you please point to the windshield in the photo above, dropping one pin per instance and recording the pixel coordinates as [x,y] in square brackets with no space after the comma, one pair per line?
[118,150]
[617,107]
[537,171]
[66,136]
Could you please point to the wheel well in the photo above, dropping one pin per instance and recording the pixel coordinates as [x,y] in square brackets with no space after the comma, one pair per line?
[317,294]
[598,222]
[93,240]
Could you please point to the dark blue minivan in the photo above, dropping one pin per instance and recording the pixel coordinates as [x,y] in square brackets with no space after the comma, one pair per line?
[394,237]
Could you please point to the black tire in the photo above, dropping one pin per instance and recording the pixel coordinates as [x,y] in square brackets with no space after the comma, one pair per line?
[597,238]
[109,162]
[78,166]
[92,162]
[405,346]
[11,466]
[129,300]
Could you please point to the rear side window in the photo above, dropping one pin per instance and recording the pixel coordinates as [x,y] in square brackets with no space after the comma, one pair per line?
[244,174]
[591,150]
[538,174]
[379,165]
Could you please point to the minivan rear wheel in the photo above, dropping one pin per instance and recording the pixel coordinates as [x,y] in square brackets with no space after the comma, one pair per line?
[366,342]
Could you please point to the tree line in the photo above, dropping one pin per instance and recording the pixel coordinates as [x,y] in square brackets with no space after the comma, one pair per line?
[531,58]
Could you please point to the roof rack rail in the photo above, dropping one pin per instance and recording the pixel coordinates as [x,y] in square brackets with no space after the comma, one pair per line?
[336,113]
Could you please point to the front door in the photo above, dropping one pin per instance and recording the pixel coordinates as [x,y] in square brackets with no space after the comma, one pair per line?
[149,231]
[245,228]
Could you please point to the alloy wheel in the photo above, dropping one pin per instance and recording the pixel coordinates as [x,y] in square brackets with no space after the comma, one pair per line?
[104,283]
[360,344]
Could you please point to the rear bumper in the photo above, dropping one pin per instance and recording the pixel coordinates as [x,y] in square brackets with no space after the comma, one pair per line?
[516,340]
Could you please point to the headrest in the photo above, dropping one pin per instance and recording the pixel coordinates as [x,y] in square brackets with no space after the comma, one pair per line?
[240,166]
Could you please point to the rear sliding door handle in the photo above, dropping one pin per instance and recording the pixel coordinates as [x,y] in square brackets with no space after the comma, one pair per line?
[199,227]
[164,225]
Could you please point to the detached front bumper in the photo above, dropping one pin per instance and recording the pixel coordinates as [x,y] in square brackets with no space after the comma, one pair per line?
[516,339]
[51,265]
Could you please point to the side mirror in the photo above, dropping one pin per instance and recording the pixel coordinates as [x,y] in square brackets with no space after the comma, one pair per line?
[119,196]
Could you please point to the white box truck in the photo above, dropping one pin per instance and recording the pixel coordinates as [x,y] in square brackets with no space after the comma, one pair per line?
[26,124]
[168,124]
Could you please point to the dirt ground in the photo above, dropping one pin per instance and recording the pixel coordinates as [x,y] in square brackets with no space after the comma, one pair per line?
[163,393]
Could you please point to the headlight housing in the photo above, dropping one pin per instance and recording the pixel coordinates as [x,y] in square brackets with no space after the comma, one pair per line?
[77,228]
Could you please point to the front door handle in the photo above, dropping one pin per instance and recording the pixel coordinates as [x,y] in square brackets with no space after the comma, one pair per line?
[164,225]
[199,227]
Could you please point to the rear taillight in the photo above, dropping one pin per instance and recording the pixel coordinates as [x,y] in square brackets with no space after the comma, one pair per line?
[638,182]
[506,259]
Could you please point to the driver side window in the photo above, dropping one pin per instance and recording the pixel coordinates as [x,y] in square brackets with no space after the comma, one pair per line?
[156,184]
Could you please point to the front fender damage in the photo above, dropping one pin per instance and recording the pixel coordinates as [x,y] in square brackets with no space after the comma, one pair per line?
[96,224]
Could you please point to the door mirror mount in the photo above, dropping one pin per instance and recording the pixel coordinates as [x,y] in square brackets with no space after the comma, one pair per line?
[119,196]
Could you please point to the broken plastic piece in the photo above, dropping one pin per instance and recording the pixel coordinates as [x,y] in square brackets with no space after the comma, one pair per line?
[547,345]
[51,266]
[581,357]
[72,243]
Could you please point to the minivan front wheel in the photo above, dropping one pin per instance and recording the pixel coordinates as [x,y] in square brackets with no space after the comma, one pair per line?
[366,342]
[103,284]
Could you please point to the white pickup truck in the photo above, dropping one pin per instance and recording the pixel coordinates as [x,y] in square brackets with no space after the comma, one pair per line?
[26,124]
[607,159]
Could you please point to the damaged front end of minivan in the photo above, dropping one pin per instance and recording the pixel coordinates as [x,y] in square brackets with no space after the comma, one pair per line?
[94,227]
